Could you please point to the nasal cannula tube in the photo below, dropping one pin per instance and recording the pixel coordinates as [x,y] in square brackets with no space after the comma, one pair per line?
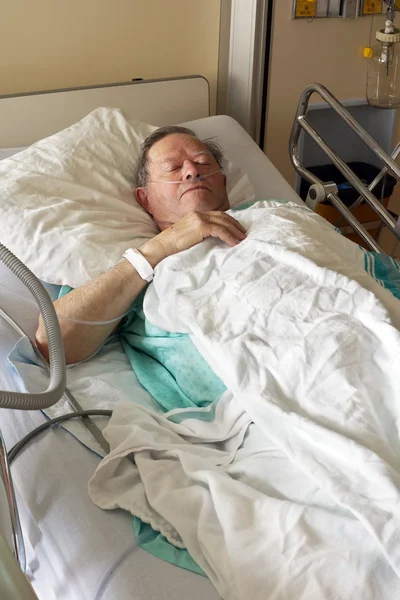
[82,322]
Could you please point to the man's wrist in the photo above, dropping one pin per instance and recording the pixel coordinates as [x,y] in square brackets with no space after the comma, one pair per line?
[153,251]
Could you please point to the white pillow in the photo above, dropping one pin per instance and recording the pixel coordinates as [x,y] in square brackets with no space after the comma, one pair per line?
[7,152]
[68,209]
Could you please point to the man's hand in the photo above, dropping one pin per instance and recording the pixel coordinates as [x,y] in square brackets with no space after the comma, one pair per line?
[191,230]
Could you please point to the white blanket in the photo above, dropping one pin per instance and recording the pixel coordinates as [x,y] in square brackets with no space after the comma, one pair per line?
[309,506]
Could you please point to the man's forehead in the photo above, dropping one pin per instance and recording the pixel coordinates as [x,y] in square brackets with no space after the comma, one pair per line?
[174,145]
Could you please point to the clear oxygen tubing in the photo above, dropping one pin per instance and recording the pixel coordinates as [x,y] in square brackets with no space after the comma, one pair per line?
[190,180]
[19,400]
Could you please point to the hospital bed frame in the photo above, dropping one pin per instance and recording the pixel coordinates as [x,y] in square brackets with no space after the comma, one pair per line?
[319,190]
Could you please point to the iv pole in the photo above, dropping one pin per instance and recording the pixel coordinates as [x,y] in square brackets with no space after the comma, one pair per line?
[392,8]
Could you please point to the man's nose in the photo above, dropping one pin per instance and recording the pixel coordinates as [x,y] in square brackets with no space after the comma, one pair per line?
[190,170]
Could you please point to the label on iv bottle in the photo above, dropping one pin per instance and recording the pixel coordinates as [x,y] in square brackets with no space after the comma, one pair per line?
[306,8]
[372,7]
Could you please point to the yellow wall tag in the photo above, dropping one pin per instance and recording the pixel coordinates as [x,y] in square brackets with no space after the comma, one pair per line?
[372,7]
[306,8]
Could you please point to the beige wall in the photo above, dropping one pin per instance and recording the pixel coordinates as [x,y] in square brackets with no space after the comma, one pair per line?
[64,43]
[327,51]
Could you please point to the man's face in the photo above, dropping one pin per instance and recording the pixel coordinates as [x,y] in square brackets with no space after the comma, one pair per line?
[180,157]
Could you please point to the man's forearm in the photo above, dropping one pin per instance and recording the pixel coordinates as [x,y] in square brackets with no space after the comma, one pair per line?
[111,294]
[102,299]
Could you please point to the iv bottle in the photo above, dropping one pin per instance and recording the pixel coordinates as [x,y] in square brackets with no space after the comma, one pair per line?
[383,75]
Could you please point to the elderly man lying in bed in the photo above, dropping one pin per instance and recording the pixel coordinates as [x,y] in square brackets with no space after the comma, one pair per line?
[186,212]
[276,459]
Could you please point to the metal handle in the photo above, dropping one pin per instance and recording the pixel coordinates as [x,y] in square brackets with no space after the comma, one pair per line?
[17,537]
[302,124]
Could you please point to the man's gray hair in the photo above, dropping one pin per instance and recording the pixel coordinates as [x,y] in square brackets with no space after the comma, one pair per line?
[141,173]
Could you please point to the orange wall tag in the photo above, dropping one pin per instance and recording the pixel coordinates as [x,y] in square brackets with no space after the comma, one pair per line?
[372,7]
[306,8]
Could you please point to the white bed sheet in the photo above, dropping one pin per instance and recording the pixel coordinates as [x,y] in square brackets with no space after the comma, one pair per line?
[82,552]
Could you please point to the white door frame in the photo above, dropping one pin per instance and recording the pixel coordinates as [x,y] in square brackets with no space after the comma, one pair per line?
[242,62]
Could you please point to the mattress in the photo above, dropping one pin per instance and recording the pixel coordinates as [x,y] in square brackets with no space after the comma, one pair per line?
[75,550]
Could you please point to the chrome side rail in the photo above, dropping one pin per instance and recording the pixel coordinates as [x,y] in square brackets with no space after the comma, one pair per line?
[17,537]
[302,124]
[378,178]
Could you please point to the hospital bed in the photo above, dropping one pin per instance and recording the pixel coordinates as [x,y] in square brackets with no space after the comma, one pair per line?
[75,550]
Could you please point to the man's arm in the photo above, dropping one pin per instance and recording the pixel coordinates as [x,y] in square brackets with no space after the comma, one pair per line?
[112,293]
[104,298]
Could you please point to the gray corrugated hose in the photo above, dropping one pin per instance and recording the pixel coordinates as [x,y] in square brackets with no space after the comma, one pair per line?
[19,400]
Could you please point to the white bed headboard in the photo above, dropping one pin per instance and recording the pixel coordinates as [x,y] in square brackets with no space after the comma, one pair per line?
[26,118]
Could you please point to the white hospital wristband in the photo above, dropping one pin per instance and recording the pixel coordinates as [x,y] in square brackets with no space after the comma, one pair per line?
[138,261]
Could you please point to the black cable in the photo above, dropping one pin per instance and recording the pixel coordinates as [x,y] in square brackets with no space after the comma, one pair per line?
[32,434]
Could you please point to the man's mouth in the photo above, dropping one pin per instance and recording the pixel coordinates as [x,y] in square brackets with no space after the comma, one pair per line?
[194,187]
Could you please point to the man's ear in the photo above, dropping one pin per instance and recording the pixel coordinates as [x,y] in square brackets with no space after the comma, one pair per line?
[224,176]
[141,196]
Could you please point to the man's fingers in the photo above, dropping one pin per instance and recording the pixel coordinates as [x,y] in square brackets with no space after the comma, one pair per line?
[231,235]
[230,219]
[222,216]
[196,226]
[222,219]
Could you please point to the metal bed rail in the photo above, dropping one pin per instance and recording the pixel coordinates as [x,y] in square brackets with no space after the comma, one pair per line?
[17,537]
[320,190]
